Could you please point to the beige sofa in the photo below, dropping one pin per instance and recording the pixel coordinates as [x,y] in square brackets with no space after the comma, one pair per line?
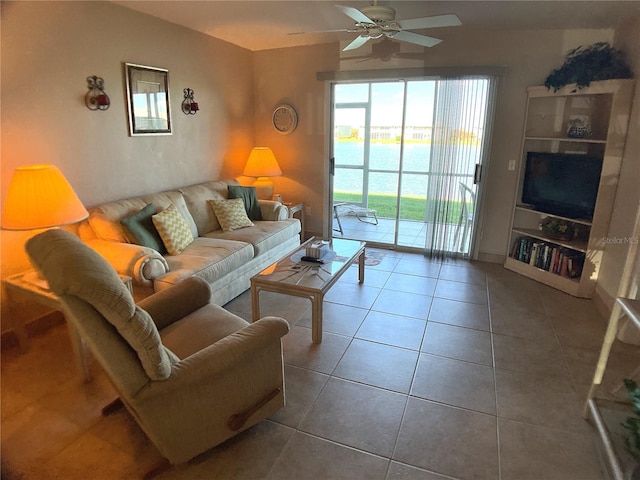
[226,260]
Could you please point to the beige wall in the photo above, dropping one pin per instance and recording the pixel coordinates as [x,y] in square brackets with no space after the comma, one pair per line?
[48,50]
[621,229]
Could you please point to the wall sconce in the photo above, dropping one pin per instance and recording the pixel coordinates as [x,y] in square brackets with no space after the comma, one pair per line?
[189,106]
[96,98]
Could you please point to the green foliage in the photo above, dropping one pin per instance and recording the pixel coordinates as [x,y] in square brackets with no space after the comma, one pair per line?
[411,208]
[558,226]
[584,65]
[633,423]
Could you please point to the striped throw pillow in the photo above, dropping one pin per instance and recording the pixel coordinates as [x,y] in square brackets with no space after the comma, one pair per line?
[231,214]
[173,229]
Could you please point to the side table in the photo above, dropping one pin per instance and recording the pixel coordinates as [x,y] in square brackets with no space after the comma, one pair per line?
[31,286]
[299,209]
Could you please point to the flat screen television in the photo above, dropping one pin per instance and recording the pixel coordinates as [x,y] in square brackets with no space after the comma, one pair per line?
[562,184]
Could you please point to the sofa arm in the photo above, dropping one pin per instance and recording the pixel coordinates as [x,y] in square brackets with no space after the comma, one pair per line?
[271,210]
[176,302]
[143,264]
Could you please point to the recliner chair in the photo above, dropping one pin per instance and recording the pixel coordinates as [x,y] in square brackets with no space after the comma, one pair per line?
[191,373]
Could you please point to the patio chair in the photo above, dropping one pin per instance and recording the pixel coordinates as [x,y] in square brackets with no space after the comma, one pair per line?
[363,214]
[466,216]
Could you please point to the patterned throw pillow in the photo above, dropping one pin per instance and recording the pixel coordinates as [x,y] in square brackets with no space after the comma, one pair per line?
[231,214]
[173,229]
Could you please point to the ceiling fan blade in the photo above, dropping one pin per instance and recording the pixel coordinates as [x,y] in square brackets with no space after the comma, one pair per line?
[350,30]
[355,14]
[417,39]
[357,43]
[450,20]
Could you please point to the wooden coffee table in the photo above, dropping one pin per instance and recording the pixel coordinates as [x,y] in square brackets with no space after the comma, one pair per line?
[293,276]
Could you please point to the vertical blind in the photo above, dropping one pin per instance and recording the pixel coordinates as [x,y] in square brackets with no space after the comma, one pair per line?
[460,140]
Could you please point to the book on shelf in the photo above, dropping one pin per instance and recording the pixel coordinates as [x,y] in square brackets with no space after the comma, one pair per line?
[548,256]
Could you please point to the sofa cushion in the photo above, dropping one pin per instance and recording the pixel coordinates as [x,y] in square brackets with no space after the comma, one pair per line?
[105,219]
[231,214]
[143,231]
[249,197]
[196,331]
[264,235]
[72,268]
[207,258]
[196,198]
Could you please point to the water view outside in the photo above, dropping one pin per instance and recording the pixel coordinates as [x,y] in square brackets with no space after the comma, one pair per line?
[384,156]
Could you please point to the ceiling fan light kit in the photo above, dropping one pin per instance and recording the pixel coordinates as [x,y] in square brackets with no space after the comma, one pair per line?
[376,21]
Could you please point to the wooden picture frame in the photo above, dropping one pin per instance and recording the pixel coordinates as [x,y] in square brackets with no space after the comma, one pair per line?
[148,100]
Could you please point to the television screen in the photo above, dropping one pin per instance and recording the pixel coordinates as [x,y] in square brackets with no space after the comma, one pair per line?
[561,183]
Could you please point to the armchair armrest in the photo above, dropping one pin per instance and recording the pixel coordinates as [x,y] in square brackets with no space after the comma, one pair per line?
[272,210]
[177,301]
[220,358]
[143,264]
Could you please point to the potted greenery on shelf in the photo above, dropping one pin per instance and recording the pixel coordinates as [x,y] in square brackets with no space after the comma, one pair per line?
[632,441]
[584,65]
[557,229]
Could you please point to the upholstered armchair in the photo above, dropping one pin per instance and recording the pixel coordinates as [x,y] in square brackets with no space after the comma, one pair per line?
[191,373]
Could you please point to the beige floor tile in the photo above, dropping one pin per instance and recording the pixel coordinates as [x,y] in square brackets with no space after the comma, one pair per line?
[466,274]
[356,415]
[337,318]
[300,351]
[521,322]
[392,329]
[355,295]
[448,440]
[310,458]
[464,292]
[458,342]
[540,400]
[302,387]
[247,456]
[417,265]
[461,384]
[529,452]
[402,303]
[399,471]
[586,331]
[378,365]
[402,282]
[372,277]
[529,356]
[462,314]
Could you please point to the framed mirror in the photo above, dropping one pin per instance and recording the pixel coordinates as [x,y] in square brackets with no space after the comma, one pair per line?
[148,100]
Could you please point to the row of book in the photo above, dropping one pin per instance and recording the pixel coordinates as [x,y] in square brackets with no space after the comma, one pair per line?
[548,256]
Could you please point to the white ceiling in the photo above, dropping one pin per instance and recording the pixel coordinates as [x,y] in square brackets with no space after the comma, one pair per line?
[266,24]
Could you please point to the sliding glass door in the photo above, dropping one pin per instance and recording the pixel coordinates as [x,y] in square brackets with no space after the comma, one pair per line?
[406,156]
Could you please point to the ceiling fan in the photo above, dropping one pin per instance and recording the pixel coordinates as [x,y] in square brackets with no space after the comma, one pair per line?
[376,21]
[385,50]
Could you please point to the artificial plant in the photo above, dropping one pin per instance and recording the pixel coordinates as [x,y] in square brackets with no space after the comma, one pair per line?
[632,441]
[584,65]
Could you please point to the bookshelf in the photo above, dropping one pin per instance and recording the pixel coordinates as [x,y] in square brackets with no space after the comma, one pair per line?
[570,264]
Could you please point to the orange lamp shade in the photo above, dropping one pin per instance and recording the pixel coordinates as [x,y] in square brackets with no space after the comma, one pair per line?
[40,197]
[262,163]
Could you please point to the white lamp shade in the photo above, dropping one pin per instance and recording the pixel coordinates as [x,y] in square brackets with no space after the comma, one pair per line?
[40,197]
[262,163]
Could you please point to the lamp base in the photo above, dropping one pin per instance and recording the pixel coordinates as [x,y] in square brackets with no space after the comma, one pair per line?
[264,188]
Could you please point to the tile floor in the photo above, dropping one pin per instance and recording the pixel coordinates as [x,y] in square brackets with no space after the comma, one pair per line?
[428,371]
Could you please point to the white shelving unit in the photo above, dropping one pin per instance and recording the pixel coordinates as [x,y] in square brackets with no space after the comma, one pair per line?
[606,105]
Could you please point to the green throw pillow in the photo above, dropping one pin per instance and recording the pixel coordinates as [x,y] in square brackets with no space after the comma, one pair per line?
[249,198]
[142,229]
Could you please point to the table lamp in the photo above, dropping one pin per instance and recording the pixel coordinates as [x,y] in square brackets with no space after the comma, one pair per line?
[40,197]
[262,164]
